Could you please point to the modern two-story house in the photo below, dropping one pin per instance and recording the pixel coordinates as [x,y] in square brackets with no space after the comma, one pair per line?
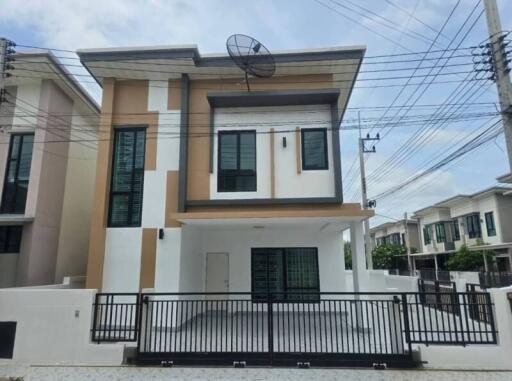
[47,162]
[482,218]
[396,233]
[202,185]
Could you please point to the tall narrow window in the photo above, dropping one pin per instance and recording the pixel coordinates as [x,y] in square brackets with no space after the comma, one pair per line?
[127,177]
[456,231]
[489,223]
[237,161]
[10,239]
[473,226]
[427,234]
[314,148]
[14,196]
[440,232]
[290,274]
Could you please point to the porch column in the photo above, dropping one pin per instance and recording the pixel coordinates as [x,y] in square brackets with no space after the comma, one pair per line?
[358,255]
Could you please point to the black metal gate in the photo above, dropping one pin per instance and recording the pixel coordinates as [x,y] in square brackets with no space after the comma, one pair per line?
[318,329]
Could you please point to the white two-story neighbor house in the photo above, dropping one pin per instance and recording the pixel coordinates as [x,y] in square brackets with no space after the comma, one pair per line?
[47,162]
[482,218]
[204,186]
[396,233]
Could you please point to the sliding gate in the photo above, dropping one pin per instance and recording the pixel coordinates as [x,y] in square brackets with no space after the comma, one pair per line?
[277,329]
[316,329]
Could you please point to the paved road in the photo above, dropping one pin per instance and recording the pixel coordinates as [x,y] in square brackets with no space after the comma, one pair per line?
[192,374]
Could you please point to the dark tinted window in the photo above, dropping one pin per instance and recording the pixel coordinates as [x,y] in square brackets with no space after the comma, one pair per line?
[14,196]
[10,239]
[314,148]
[288,273]
[237,161]
[489,222]
[473,226]
[127,177]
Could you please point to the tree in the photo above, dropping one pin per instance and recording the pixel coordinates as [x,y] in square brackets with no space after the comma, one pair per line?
[466,260]
[347,251]
[386,257]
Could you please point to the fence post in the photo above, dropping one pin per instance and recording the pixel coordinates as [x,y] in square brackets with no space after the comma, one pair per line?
[270,322]
[145,321]
[95,319]
[395,326]
[407,328]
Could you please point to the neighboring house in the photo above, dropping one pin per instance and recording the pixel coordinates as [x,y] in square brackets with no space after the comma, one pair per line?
[395,233]
[47,173]
[484,217]
[202,185]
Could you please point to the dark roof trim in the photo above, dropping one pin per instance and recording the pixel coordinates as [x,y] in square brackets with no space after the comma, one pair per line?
[265,201]
[193,53]
[272,98]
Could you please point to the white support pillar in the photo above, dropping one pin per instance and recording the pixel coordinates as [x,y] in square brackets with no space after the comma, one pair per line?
[359,272]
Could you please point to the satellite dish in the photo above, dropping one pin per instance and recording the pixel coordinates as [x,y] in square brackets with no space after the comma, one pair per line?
[251,56]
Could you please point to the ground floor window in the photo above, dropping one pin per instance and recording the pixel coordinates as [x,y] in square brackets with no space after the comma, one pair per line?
[290,274]
[10,239]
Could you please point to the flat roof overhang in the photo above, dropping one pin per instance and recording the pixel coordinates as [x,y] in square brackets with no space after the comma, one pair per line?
[169,62]
[495,246]
[15,219]
[337,217]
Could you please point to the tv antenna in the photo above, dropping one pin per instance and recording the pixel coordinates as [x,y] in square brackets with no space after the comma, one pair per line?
[251,56]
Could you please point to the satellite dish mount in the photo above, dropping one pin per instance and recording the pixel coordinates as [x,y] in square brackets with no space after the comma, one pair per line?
[251,56]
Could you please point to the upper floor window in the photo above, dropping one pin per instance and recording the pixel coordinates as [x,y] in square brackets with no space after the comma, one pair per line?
[489,223]
[14,196]
[10,239]
[456,231]
[440,232]
[237,161]
[127,177]
[395,238]
[427,234]
[314,148]
[473,226]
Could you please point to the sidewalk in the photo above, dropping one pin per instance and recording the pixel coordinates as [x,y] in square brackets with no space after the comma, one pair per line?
[37,373]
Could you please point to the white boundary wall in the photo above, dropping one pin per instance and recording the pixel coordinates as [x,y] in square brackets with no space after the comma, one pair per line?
[53,328]
[477,357]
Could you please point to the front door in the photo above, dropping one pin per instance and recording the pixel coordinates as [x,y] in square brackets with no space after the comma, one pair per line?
[217,273]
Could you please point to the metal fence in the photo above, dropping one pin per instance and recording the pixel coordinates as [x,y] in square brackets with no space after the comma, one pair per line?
[495,279]
[116,317]
[356,329]
[454,318]
[439,295]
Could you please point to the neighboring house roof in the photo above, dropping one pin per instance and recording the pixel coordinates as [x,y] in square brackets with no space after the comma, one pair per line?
[386,225]
[505,178]
[454,200]
[30,65]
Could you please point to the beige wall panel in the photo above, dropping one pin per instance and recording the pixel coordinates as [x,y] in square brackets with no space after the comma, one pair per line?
[148,258]
[101,190]
[174,95]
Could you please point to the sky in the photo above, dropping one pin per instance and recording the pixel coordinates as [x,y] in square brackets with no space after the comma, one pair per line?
[385,27]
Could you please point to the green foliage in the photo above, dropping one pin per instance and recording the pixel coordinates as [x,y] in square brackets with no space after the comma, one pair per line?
[385,257]
[347,251]
[466,260]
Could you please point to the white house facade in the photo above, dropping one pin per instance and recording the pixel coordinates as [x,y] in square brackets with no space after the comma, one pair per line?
[223,184]
[479,219]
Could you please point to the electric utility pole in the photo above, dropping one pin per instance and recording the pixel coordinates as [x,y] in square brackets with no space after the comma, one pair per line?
[407,243]
[366,204]
[6,52]
[500,69]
